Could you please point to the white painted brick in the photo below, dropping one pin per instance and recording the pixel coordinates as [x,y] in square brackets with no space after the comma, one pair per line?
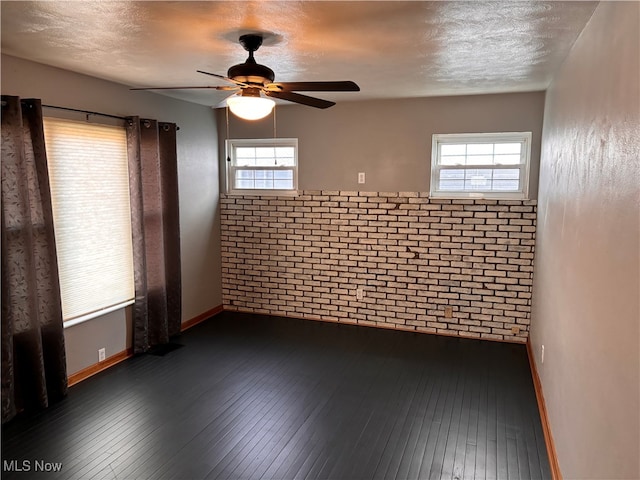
[303,257]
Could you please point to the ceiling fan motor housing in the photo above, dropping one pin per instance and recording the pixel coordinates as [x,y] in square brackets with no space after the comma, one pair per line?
[251,72]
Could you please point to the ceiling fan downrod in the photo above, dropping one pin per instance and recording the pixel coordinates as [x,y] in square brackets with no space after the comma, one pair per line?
[250,71]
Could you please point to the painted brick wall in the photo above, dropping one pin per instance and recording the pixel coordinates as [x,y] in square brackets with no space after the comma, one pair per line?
[414,258]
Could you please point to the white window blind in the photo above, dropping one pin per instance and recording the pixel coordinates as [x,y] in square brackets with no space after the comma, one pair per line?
[484,165]
[264,166]
[89,178]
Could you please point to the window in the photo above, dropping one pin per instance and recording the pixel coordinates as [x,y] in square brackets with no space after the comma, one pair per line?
[483,165]
[88,172]
[264,167]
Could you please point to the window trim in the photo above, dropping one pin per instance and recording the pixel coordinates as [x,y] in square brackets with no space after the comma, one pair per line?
[231,144]
[438,139]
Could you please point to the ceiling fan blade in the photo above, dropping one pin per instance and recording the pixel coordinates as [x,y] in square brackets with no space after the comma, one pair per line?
[186,88]
[346,86]
[224,78]
[302,99]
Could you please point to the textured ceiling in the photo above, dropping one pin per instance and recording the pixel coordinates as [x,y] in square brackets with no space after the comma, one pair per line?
[391,49]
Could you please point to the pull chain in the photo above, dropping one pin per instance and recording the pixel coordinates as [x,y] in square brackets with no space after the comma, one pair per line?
[226,110]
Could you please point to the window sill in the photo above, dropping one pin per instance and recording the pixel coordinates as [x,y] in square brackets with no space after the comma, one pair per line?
[263,193]
[478,196]
[99,313]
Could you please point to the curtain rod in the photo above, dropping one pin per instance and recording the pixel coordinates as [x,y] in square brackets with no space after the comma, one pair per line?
[85,111]
[89,112]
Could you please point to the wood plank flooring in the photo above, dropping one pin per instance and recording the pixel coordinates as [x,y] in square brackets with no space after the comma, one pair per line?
[254,397]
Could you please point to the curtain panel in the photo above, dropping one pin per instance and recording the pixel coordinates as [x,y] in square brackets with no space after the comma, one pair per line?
[33,353]
[153,183]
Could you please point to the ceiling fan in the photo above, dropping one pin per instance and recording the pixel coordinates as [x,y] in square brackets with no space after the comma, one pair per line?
[250,80]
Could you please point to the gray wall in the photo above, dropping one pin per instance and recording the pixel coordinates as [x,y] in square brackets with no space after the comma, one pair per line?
[389,140]
[585,298]
[198,187]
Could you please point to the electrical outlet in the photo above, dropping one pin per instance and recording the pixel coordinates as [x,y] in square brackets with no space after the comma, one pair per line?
[361,178]
[542,356]
[359,294]
[101,354]
[448,312]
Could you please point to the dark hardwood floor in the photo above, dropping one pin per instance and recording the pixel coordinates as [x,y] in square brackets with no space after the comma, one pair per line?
[252,397]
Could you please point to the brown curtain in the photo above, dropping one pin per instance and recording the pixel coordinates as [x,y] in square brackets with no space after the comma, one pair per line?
[153,180]
[33,356]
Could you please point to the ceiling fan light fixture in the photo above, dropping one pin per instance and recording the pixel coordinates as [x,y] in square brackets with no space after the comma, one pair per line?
[250,107]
